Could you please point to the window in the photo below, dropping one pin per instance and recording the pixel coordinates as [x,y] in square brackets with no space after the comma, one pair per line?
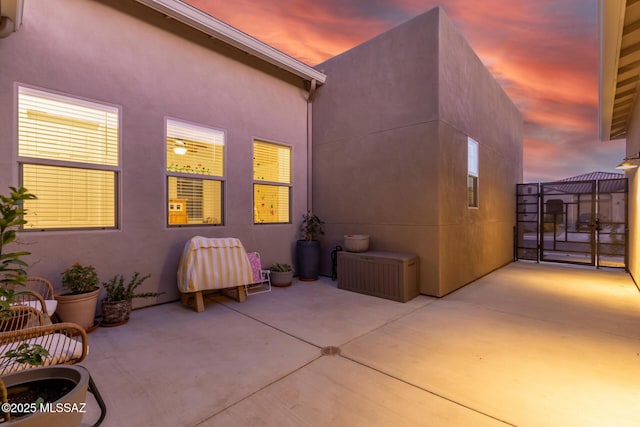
[271,183]
[68,153]
[472,173]
[195,174]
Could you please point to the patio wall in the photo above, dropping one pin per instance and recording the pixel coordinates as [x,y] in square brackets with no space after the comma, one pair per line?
[122,53]
[390,152]
[633,147]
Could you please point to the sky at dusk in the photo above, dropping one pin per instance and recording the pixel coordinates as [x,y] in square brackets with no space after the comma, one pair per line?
[544,53]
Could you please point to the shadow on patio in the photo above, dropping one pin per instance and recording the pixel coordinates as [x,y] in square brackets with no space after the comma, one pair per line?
[528,345]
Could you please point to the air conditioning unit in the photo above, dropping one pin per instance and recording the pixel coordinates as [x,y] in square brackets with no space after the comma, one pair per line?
[389,275]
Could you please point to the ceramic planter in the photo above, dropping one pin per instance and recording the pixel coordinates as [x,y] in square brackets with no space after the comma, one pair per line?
[115,313]
[281,278]
[308,259]
[78,308]
[73,400]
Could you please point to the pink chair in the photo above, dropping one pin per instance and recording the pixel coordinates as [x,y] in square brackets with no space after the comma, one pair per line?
[261,278]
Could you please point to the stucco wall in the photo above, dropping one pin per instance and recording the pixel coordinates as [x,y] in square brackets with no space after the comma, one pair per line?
[122,53]
[474,242]
[633,147]
[390,152]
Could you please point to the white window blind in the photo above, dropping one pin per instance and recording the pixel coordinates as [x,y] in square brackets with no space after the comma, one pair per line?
[69,197]
[194,150]
[272,183]
[69,158]
[472,174]
[271,162]
[57,127]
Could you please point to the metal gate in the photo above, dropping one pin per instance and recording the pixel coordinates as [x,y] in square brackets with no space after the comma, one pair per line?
[579,222]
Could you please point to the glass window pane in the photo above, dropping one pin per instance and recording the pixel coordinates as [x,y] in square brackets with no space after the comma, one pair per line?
[271,162]
[472,191]
[472,153]
[194,201]
[194,149]
[271,204]
[69,197]
[57,127]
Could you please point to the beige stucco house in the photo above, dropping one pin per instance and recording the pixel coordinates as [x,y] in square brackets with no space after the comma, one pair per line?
[169,124]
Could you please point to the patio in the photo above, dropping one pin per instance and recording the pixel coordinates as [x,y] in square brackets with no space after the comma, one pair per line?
[527,345]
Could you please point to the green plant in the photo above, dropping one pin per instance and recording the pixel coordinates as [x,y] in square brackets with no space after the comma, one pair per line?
[311,226]
[281,267]
[79,278]
[117,291]
[12,267]
[31,354]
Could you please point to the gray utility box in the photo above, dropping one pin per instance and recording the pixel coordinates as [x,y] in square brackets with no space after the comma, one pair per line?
[389,275]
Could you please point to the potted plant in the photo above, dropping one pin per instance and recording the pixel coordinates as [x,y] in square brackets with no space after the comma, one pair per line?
[12,275]
[281,274]
[12,267]
[78,304]
[116,307]
[308,248]
[55,386]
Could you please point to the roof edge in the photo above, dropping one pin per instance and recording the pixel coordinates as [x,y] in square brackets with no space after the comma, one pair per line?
[213,27]
[610,25]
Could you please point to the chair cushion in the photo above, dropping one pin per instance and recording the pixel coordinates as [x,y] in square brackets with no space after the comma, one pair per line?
[61,349]
[51,305]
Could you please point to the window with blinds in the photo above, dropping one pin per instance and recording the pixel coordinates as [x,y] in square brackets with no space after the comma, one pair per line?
[68,150]
[195,174]
[472,173]
[272,183]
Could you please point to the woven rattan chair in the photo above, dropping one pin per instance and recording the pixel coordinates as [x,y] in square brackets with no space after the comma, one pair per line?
[66,343]
[38,293]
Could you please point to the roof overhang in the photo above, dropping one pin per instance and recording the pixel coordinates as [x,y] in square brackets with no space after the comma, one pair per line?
[10,16]
[213,27]
[619,65]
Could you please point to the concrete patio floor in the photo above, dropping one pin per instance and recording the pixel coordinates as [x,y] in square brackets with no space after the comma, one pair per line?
[528,345]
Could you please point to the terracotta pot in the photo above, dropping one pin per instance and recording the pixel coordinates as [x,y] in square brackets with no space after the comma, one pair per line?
[78,308]
[115,312]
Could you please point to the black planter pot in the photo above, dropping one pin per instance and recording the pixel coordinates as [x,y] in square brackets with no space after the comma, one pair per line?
[308,259]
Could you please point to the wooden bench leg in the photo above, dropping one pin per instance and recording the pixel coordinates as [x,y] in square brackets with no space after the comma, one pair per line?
[242,294]
[185,299]
[199,302]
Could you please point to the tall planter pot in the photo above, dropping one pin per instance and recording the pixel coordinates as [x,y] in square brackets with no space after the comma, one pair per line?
[73,399]
[78,308]
[308,259]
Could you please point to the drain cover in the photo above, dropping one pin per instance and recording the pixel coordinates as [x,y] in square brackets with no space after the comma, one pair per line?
[330,351]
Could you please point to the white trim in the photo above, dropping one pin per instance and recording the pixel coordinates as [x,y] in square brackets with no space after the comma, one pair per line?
[213,27]
[610,25]
[12,9]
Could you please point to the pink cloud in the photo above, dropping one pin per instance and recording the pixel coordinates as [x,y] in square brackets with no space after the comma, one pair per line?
[543,53]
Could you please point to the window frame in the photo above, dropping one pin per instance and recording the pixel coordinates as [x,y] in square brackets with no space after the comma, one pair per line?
[175,174]
[56,163]
[288,185]
[473,176]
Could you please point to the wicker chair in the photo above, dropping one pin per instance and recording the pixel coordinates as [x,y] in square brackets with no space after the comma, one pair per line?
[37,293]
[66,343]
